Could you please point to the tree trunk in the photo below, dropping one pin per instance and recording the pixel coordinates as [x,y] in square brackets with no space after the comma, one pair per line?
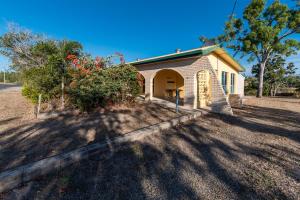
[272,90]
[62,93]
[275,90]
[261,80]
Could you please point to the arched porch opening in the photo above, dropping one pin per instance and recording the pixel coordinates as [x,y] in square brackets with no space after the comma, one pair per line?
[165,83]
[204,88]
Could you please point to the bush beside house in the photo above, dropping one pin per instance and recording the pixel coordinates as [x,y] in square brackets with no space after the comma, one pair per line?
[94,84]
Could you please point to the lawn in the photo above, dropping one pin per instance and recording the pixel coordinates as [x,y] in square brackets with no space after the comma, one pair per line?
[252,155]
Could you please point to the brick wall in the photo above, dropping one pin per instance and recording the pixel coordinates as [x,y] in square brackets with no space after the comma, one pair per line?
[188,69]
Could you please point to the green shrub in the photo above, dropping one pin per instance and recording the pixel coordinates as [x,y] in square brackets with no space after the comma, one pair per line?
[30,93]
[120,83]
[94,87]
[42,80]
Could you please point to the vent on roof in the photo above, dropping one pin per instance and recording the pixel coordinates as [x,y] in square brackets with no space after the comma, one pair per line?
[177,50]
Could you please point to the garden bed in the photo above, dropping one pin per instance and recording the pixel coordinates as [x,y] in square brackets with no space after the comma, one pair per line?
[39,139]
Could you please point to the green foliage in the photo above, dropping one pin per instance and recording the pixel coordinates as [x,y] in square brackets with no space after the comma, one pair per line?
[30,93]
[293,81]
[42,80]
[250,86]
[41,62]
[262,33]
[46,65]
[121,83]
[117,84]
[276,74]
[10,77]
[46,79]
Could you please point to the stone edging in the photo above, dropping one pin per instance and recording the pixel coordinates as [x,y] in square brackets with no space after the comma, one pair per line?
[12,178]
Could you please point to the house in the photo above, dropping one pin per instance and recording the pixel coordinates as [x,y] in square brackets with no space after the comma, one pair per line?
[203,77]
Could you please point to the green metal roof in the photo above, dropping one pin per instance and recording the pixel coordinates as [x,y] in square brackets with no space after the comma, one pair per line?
[189,53]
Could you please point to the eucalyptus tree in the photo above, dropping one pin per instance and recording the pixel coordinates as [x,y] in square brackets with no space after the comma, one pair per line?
[277,73]
[262,32]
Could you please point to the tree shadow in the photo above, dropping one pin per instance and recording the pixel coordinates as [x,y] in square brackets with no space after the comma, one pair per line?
[283,123]
[2,122]
[275,115]
[276,155]
[186,162]
[45,138]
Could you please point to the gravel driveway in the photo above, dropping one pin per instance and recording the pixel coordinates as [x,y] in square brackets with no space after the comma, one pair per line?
[253,155]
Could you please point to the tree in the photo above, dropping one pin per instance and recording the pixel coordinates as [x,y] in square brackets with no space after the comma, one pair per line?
[250,85]
[67,48]
[10,76]
[31,54]
[276,73]
[261,33]
[16,44]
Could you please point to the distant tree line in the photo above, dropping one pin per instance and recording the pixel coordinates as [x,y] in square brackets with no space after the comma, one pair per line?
[279,80]
[10,77]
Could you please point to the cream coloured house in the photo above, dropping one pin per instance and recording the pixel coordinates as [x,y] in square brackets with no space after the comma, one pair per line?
[204,77]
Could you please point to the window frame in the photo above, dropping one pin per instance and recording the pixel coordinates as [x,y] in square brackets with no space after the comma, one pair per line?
[232,83]
[224,81]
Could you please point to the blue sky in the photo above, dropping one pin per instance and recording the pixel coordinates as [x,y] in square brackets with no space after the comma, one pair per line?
[136,28]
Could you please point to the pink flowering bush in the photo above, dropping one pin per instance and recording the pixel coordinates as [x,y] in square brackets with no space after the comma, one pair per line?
[93,84]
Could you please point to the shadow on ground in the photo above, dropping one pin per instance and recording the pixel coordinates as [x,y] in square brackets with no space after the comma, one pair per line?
[31,142]
[204,159]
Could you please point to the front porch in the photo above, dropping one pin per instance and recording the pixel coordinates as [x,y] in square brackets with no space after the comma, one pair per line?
[194,74]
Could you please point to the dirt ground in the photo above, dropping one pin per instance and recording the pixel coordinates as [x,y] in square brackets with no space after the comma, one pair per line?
[14,109]
[252,155]
[24,139]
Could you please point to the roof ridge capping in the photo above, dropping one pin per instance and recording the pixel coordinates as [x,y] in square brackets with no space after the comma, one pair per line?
[188,53]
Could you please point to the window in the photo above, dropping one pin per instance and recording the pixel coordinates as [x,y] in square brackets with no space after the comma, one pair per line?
[224,81]
[232,82]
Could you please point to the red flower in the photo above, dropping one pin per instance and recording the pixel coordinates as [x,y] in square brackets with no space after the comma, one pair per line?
[71,57]
[75,61]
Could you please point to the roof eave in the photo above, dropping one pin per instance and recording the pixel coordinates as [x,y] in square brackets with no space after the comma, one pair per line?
[189,53]
[184,54]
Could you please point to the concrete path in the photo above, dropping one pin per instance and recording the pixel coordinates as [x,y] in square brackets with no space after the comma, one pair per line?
[168,104]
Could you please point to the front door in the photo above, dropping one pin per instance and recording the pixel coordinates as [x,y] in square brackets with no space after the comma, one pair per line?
[203,90]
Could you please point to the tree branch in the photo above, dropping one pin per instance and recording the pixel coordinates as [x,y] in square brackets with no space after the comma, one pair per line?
[286,34]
